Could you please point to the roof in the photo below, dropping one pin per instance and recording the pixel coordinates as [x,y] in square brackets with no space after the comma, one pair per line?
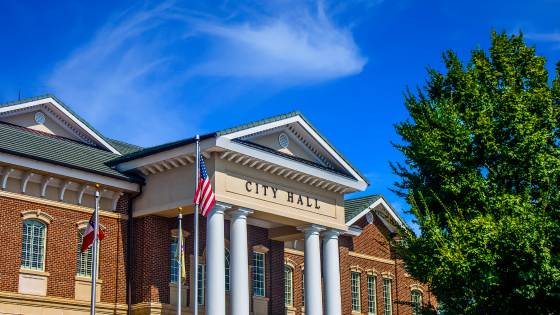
[37,98]
[179,143]
[123,147]
[353,207]
[54,149]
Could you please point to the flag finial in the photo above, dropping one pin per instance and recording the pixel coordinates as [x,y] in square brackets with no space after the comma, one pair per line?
[180,209]
[97,186]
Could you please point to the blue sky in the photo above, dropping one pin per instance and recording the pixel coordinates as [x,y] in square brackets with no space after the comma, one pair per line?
[154,72]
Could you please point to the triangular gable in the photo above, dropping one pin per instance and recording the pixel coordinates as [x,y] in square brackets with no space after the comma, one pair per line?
[357,208]
[303,133]
[53,110]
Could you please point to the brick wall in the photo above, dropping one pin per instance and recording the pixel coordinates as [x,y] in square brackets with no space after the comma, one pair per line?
[62,250]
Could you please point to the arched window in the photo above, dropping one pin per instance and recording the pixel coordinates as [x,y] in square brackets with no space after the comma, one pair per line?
[85,259]
[416,299]
[227,268]
[33,245]
[288,286]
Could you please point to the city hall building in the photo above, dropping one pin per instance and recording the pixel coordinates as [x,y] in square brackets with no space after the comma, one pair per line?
[281,222]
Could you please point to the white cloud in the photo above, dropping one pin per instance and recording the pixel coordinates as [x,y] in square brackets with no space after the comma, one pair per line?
[144,67]
[298,45]
[546,37]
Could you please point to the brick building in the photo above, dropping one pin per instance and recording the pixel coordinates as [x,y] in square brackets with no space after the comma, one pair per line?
[280,223]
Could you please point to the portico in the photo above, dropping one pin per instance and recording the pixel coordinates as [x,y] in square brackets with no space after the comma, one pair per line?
[281,175]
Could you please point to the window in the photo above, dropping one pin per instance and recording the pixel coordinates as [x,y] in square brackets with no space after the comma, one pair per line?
[416,302]
[258,274]
[85,259]
[33,245]
[387,305]
[288,286]
[227,268]
[302,290]
[201,283]
[355,287]
[174,263]
[371,294]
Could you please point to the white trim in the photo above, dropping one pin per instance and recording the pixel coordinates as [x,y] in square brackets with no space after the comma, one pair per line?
[64,171]
[373,205]
[73,118]
[307,128]
[288,163]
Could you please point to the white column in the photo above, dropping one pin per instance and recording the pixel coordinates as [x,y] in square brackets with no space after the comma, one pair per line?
[238,271]
[215,263]
[312,271]
[331,267]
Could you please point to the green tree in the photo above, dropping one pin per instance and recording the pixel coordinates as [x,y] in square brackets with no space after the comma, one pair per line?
[481,174]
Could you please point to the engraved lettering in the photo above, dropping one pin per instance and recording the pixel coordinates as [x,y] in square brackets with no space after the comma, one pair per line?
[274,190]
[308,204]
[265,187]
[316,206]
[247,185]
[290,197]
[299,201]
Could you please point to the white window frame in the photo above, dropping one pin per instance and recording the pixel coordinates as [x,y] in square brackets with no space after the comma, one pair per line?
[289,288]
[227,262]
[418,303]
[43,246]
[372,287]
[256,274]
[200,299]
[355,292]
[387,300]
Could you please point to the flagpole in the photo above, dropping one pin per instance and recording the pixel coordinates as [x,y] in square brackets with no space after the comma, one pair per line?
[179,260]
[195,283]
[95,241]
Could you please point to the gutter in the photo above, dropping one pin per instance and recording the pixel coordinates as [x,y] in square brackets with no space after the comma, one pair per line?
[129,262]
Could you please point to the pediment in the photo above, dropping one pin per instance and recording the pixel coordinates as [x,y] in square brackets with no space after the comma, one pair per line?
[47,114]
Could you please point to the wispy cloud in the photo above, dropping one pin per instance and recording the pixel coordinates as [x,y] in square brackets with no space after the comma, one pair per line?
[154,63]
[546,37]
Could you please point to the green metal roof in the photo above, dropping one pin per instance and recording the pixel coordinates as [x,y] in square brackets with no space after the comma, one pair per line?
[37,98]
[37,145]
[123,147]
[179,143]
[355,206]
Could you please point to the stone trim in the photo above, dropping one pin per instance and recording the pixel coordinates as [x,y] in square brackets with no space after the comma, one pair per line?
[82,224]
[19,300]
[37,215]
[417,287]
[34,272]
[290,263]
[260,249]
[294,252]
[368,257]
[357,269]
[62,205]
[388,275]
[85,279]
[372,272]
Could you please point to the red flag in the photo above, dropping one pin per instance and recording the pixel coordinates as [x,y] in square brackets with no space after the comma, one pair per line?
[88,234]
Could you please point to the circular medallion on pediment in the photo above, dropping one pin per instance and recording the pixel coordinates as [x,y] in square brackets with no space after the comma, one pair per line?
[369,217]
[39,118]
[283,140]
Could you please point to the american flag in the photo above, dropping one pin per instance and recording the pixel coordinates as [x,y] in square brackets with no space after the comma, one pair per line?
[204,194]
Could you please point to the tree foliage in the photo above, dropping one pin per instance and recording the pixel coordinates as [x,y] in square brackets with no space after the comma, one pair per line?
[482,170]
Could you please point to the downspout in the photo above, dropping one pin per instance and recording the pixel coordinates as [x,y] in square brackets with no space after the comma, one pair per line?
[129,273]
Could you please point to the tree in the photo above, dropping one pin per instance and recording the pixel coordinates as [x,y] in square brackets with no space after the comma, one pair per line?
[482,174]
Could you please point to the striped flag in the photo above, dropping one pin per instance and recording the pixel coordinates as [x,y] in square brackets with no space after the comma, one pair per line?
[204,194]
[88,234]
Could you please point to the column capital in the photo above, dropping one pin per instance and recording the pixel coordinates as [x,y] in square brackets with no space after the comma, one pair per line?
[310,228]
[239,213]
[331,233]
[220,207]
